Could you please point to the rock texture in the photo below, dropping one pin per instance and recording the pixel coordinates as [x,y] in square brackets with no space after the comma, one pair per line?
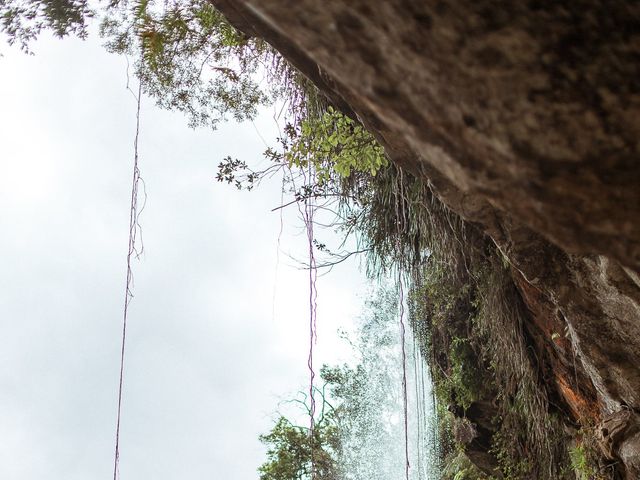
[525,119]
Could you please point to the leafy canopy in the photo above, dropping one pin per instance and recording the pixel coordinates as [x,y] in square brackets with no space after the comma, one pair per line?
[22,21]
[333,143]
[189,58]
[185,53]
[290,448]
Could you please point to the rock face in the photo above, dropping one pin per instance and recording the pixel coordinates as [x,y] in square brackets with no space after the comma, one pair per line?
[525,119]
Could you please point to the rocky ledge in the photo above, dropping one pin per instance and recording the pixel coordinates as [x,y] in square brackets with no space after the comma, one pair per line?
[524,118]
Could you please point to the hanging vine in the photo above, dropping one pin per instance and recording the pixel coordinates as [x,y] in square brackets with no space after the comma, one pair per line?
[134,233]
[313,294]
[400,221]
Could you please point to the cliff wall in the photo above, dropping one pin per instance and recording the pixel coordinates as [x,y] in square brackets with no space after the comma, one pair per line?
[524,119]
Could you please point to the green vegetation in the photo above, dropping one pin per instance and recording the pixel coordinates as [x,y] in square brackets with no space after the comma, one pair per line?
[291,449]
[189,58]
[355,434]
[470,318]
[465,310]
[464,383]
[585,461]
[186,55]
[22,22]
[580,463]
[334,144]
[459,467]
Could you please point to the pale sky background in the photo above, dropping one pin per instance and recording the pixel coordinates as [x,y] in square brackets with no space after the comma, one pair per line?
[206,359]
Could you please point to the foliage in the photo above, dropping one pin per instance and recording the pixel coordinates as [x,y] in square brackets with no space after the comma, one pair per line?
[442,312]
[185,53]
[290,451]
[366,436]
[459,467]
[580,462]
[22,21]
[528,432]
[326,148]
[514,464]
[466,311]
[403,222]
[334,144]
[228,170]
[464,382]
[189,58]
[586,460]
[470,319]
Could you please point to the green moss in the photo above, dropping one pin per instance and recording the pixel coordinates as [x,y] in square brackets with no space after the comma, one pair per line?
[585,458]
[514,465]
[479,352]
[580,462]
[466,379]
[334,144]
[459,467]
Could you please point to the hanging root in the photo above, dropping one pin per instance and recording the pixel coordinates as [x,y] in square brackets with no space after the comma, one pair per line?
[308,215]
[400,224]
[526,430]
[134,232]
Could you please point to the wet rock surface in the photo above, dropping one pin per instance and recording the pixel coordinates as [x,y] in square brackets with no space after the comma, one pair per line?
[619,435]
[524,117]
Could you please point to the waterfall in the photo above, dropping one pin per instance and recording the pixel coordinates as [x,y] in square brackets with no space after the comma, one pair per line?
[373,438]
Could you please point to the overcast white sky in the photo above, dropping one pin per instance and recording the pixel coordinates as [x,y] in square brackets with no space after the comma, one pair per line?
[206,359]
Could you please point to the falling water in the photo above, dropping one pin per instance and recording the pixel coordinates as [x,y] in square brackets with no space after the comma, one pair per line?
[374,439]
